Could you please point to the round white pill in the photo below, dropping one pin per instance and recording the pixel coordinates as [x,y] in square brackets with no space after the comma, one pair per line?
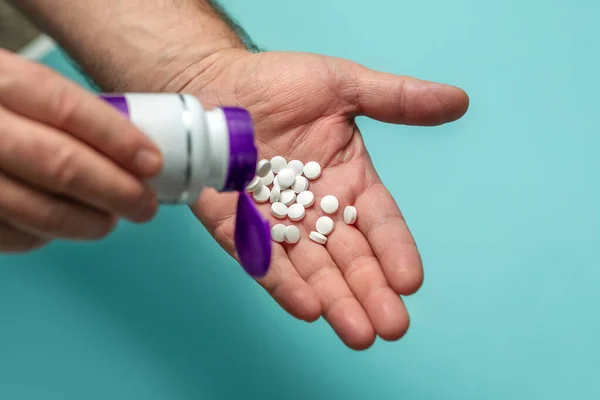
[292,234]
[325,225]
[329,204]
[306,198]
[312,170]
[287,197]
[296,212]
[300,184]
[262,194]
[268,178]
[278,163]
[278,233]
[253,185]
[275,194]
[317,237]
[279,210]
[350,215]
[286,178]
[296,166]
[263,167]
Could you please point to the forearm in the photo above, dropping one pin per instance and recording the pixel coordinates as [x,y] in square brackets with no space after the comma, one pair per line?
[137,45]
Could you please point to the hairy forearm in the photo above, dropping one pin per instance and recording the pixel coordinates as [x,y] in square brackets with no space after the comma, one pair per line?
[138,45]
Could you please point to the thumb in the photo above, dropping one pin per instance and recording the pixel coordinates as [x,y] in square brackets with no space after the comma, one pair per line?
[400,99]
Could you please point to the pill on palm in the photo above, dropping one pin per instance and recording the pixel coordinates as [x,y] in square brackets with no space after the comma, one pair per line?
[329,204]
[296,212]
[275,194]
[279,210]
[287,197]
[253,185]
[312,170]
[325,225]
[317,237]
[300,184]
[278,233]
[263,167]
[305,198]
[297,166]
[292,234]
[286,178]
[262,194]
[278,163]
[268,178]
[350,215]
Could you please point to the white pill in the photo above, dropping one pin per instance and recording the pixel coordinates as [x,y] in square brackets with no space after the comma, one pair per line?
[330,204]
[253,185]
[350,215]
[296,166]
[286,178]
[312,170]
[278,233]
[288,197]
[278,163]
[262,168]
[275,194]
[262,194]
[296,212]
[292,234]
[325,225]
[267,180]
[300,184]
[279,210]
[317,237]
[306,198]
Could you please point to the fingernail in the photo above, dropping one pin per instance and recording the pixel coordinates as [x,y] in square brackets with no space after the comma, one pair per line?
[146,210]
[148,161]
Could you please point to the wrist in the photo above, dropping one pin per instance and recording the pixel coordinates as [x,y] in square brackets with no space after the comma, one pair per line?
[135,45]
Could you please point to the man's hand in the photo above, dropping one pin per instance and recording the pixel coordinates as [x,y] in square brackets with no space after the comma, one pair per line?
[303,107]
[70,164]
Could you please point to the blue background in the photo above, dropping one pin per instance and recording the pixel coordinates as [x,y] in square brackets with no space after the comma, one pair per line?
[503,203]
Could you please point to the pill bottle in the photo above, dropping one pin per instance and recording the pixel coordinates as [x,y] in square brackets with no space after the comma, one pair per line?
[201,149]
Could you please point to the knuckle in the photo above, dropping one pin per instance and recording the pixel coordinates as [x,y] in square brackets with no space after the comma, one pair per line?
[64,169]
[65,101]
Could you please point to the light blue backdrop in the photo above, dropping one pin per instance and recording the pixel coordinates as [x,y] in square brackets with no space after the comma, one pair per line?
[504,204]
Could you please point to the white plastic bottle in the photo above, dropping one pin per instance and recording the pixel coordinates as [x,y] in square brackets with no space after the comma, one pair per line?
[203,149]
[200,148]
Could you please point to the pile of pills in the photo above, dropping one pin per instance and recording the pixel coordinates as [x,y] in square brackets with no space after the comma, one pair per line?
[285,186]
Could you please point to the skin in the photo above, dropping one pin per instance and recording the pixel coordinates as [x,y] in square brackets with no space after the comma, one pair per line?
[70,165]
[303,107]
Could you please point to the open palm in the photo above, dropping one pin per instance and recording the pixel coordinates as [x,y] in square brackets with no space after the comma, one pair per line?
[303,107]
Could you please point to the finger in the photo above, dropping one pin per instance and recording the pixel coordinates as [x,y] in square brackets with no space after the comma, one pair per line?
[15,241]
[286,286]
[282,281]
[38,93]
[53,160]
[45,215]
[340,308]
[400,99]
[362,271]
[381,222]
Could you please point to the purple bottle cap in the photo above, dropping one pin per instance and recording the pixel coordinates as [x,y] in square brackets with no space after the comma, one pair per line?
[252,233]
[252,238]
